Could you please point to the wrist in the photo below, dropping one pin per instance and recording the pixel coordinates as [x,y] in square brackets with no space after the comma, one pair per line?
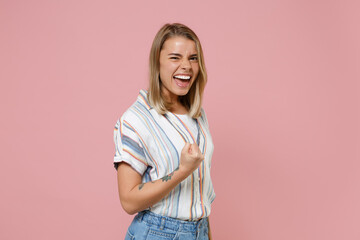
[183,172]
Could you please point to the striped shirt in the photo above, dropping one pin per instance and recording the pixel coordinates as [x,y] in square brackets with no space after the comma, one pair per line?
[151,144]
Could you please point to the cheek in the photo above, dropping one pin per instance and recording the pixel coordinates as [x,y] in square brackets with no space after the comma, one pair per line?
[165,76]
[164,73]
[167,70]
[196,69]
[162,70]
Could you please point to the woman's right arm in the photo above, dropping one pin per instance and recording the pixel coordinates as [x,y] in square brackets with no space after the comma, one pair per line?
[136,196]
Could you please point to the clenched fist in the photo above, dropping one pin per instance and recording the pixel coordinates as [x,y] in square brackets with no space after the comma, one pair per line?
[191,157]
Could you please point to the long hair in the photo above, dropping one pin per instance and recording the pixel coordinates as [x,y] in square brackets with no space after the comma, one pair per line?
[193,99]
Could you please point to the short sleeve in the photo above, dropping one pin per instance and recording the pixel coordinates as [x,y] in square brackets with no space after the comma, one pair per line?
[128,147]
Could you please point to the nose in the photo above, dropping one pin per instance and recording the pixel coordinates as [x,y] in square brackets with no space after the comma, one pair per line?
[185,64]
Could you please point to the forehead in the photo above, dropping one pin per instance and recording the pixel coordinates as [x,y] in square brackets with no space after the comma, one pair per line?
[179,44]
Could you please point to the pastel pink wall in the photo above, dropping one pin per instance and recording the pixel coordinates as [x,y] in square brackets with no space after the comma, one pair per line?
[282,101]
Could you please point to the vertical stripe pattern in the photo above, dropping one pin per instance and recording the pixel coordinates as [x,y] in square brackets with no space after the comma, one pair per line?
[151,144]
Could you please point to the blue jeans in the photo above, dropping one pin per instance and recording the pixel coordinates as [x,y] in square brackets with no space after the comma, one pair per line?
[150,226]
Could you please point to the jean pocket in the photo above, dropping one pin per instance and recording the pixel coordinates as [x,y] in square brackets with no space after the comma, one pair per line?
[129,236]
[160,235]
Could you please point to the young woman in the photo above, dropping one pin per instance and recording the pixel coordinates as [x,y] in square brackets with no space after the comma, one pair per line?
[163,144]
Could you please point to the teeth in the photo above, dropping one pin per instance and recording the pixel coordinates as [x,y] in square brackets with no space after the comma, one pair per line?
[182,77]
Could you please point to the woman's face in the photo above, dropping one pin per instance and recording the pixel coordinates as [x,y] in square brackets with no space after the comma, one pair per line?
[179,67]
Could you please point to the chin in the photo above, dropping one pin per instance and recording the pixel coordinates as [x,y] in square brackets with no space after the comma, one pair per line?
[182,92]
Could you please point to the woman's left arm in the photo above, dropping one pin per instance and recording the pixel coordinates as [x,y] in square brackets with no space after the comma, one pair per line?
[209,235]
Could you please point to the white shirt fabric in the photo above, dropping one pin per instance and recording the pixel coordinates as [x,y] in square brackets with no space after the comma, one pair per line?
[190,123]
[151,144]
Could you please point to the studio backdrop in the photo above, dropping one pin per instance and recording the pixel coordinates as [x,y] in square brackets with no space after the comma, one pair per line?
[282,101]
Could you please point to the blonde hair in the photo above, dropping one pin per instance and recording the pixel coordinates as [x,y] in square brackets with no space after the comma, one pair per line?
[193,99]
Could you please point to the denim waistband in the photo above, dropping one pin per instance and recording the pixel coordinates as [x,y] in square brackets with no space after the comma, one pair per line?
[171,223]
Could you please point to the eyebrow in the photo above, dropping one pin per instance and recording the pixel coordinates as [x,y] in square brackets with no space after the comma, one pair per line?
[175,54]
[179,55]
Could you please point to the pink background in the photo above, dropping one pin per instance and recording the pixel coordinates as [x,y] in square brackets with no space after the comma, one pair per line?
[282,102]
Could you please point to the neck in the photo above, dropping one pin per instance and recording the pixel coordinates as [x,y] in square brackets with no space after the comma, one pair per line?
[170,98]
[173,100]
[175,106]
[178,108]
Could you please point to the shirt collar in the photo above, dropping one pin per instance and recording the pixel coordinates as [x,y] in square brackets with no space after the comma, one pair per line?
[142,98]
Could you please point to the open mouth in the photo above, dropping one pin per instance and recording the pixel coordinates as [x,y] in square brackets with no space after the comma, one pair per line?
[182,80]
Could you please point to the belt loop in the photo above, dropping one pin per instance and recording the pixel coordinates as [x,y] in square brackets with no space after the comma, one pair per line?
[141,216]
[181,227]
[200,223]
[162,224]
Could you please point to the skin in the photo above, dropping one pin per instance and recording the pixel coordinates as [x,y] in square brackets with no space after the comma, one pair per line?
[178,56]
